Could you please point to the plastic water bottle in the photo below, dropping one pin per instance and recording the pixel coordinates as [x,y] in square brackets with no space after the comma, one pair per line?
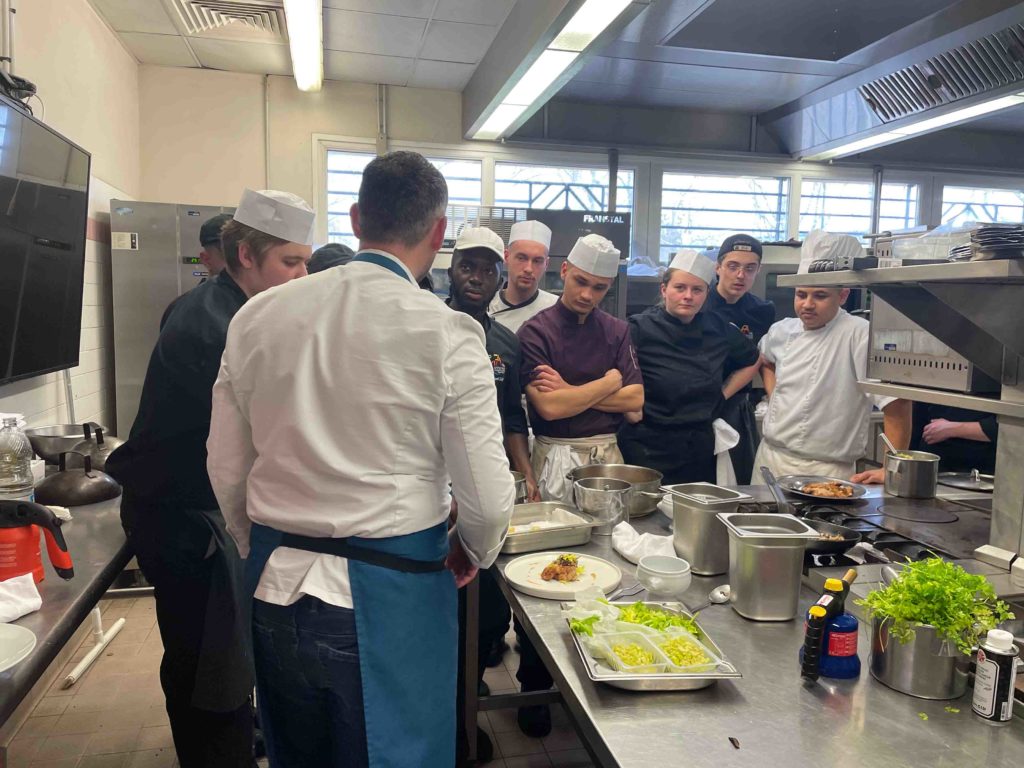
[16,454]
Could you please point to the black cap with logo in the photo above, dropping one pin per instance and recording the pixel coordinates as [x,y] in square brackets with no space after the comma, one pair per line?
[742,243]
[209,233]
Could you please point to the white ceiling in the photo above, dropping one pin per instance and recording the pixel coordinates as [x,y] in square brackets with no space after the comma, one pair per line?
[421,43]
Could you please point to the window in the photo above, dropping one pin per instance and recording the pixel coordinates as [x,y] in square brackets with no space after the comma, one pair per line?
[845,206]
[345,172]
[701,211]
[544,186]
[961,204]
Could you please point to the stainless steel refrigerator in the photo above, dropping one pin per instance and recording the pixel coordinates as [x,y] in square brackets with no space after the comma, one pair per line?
[154,258]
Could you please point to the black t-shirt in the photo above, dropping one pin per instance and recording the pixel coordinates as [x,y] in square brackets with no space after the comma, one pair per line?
[684,364]
[751,314]
[164,458]
[957,454]
[503,349]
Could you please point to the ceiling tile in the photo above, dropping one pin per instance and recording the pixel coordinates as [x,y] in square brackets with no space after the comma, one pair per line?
[136,16]
[444,75]
[234,56]
[448,41]
[163,50]
[367,68]
[420,9]
[372,33]
[492,12]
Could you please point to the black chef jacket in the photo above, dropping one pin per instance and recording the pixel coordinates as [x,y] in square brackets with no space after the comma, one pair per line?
[684,364]
[957,454]
[751,314]
[503,349]
[164,458]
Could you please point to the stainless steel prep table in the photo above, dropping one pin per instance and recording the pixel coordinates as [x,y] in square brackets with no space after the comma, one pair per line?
[99,551]
[776,719]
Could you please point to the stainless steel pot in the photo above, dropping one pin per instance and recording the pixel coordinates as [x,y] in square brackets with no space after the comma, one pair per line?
[605,499]
[644,497]
[766,555]
[926,667]
[698,535]
[520,480]
[913,477]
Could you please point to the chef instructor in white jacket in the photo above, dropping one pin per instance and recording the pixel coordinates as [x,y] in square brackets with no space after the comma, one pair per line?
[343,406]
[818,419]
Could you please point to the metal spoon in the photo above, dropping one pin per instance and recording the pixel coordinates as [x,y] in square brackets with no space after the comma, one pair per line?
[888,442]
[716,596]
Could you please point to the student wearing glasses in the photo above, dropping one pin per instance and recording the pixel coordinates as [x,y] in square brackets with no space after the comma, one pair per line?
[739,260]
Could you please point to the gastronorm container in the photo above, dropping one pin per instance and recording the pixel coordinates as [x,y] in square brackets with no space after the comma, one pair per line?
[574,527]
[698,535]
[766,555]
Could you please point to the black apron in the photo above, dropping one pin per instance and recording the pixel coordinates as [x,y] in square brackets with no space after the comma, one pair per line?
[738,413]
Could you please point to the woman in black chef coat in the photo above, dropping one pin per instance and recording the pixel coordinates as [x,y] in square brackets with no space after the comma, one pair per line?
[682,354]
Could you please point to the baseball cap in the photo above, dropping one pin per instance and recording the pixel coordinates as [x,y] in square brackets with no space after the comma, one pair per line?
[740,243]
[209,233]
[330,255]
[481,237]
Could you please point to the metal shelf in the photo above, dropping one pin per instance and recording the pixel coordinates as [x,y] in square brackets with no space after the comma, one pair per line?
[1002,271]
[942,397]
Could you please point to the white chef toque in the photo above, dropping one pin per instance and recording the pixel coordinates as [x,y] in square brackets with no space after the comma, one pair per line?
[820,245]
[537,231]
[697,264]
[480,237]
[276,213]
[596,255]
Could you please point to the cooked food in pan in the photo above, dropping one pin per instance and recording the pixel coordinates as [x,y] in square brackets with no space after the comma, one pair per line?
[828,490]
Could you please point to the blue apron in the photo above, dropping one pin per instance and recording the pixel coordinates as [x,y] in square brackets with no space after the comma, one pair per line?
[407,629]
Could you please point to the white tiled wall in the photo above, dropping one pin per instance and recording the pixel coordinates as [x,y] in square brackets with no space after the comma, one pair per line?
[41,399]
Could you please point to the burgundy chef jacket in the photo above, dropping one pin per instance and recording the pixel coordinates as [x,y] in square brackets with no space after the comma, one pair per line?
[580,353]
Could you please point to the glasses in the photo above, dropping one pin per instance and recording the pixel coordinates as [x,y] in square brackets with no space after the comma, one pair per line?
[733,268]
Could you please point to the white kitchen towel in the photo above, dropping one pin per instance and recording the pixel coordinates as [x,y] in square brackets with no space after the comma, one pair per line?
[632,545]
[18,596]
[726,438]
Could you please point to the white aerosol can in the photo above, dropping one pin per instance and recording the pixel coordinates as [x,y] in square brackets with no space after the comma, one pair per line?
[998,659]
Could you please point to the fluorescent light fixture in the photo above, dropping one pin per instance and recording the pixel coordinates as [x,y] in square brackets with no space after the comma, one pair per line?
[592,18]
[855,146]
[922,126]
[305,20]
[548,66]
[959,115]
[589,21]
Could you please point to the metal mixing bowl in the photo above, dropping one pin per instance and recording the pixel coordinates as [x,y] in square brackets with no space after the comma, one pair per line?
[50,442]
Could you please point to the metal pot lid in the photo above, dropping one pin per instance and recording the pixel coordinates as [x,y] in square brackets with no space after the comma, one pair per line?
[968,481]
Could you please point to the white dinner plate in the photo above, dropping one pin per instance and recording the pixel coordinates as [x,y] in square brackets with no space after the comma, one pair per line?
[15,644]
[523,573]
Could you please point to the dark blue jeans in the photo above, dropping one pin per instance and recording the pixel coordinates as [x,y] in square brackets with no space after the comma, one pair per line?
[308,684]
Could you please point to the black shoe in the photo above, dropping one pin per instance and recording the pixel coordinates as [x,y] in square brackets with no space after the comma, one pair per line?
[496,654]
[483,689]
[484,747]
[535,720]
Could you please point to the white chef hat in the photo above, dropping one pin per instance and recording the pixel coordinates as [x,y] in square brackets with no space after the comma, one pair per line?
[537,231]
[276,213]
[697,264]
[596,255]
[480,237]
[819,245]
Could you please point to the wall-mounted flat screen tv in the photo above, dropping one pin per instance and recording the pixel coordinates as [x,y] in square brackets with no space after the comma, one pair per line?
[44,196]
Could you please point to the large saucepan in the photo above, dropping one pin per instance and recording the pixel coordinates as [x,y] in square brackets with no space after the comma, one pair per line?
[643,499]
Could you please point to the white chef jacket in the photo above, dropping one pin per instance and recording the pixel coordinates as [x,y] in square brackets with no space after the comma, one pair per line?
[514,315]
[344,402]
[817,411]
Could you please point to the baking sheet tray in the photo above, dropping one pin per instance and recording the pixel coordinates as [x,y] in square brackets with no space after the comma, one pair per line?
[600,673]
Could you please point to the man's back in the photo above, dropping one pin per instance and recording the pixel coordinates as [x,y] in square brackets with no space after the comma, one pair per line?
[347,381]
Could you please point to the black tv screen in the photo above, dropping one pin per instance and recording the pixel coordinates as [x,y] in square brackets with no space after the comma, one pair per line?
[44,195]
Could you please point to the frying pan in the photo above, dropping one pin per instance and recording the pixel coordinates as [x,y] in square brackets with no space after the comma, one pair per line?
[823,547]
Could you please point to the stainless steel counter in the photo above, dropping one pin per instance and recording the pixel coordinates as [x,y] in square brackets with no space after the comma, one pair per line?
[776,718]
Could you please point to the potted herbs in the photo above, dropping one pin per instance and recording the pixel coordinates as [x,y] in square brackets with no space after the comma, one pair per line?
[924,625]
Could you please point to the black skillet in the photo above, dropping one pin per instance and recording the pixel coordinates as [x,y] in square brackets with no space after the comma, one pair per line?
[829,547]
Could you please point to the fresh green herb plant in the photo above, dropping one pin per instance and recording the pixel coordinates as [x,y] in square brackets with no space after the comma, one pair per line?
[961,606]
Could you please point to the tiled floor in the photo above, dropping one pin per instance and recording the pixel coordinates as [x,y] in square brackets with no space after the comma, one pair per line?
[512,749]
[114,717]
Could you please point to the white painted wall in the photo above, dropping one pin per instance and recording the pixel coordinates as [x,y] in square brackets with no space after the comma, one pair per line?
[203,131]
[88,84]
